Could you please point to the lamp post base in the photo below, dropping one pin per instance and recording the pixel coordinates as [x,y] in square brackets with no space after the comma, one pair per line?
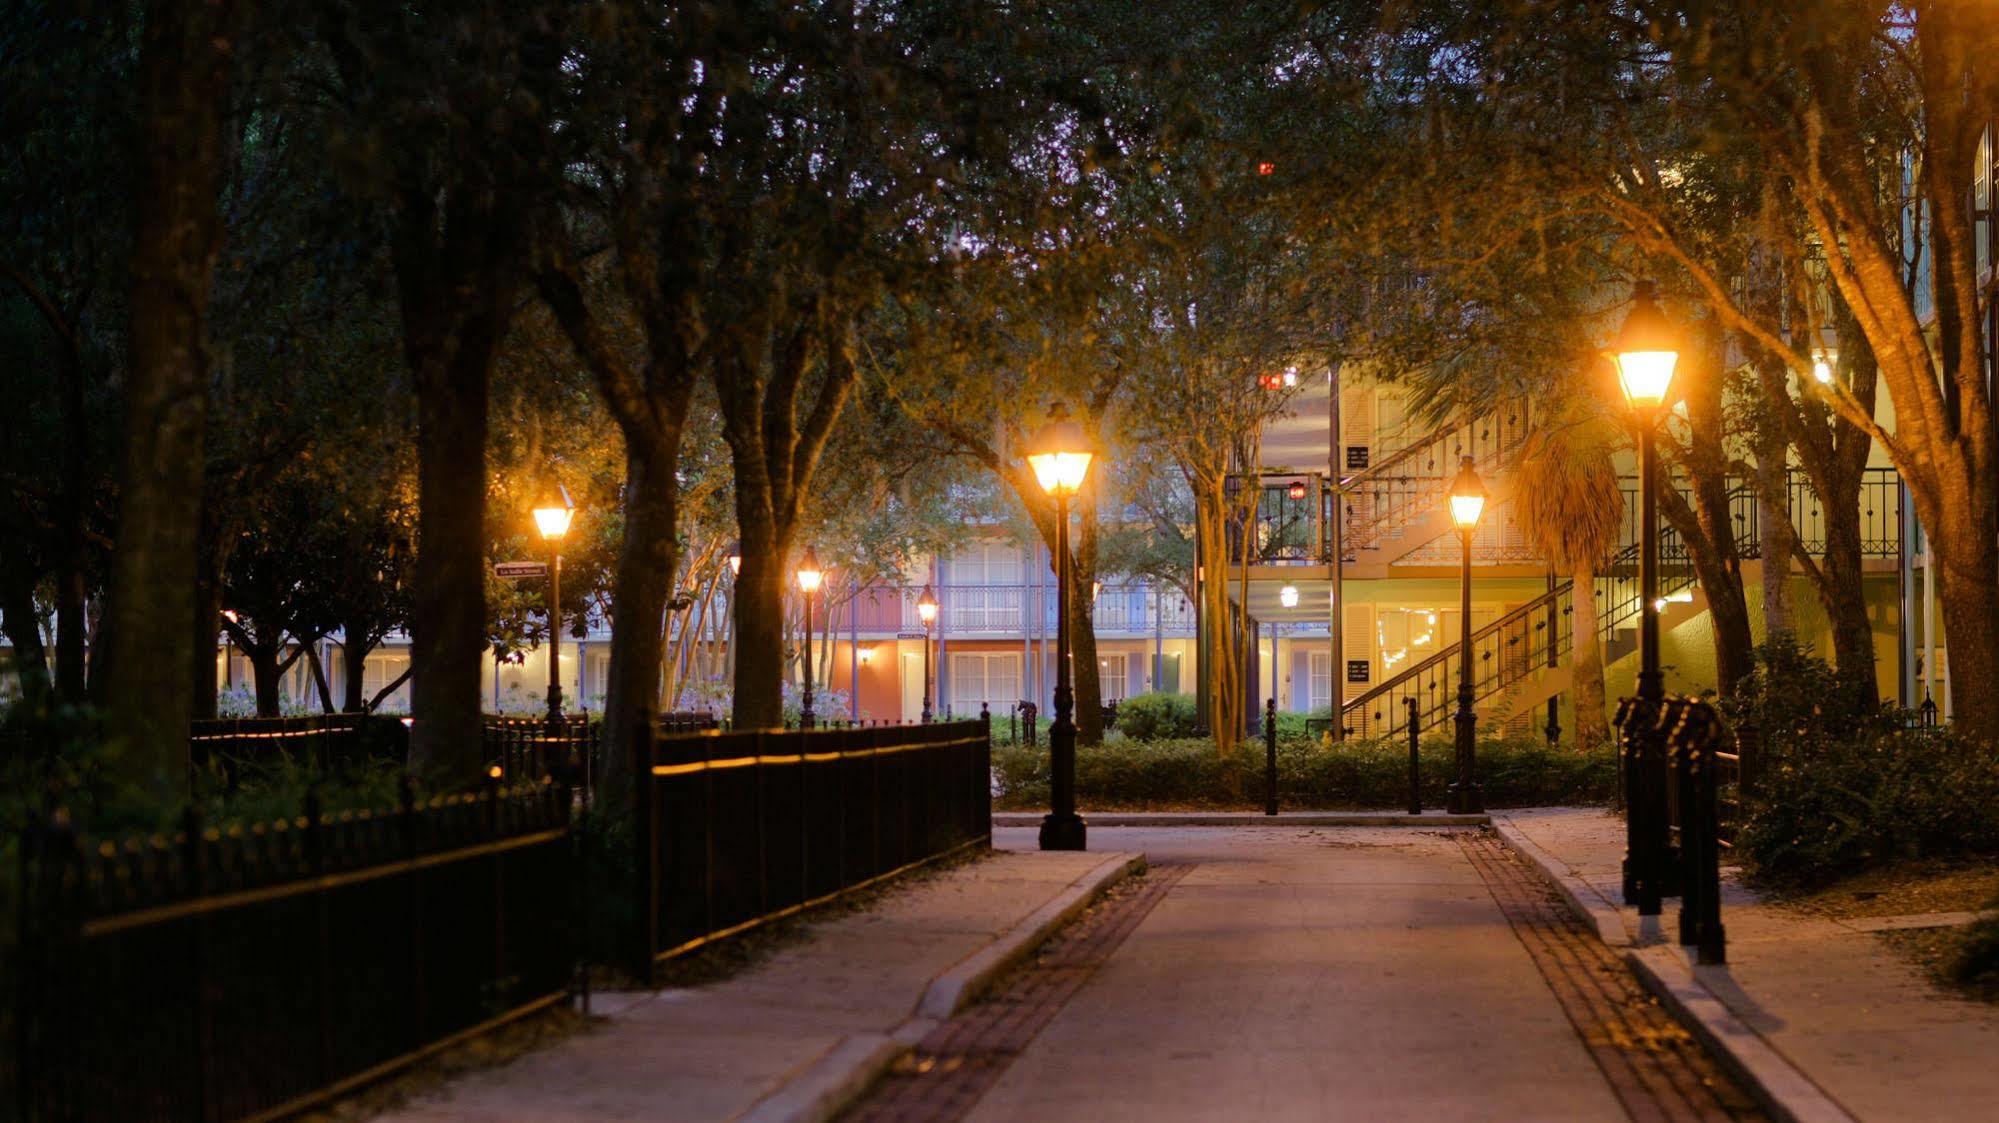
[1064,832]
[1467,800]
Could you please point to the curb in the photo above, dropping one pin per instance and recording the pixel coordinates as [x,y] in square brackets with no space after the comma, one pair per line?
[842,1074]
[1583,900]
[1779,1086]
[1257,818]
[1784,1091]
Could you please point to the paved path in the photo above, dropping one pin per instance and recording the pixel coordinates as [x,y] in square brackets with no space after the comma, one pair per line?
[1836,1001]
[710,1052]
[1299,973]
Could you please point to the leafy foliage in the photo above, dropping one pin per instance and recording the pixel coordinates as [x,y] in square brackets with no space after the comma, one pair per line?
[1149,717]
[1841,786]
[1138,775]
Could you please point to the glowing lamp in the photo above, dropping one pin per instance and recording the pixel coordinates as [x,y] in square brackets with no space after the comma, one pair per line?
[736,558]
[1060,454]
[926,606]
[552,518]
[1822,370]
[1288,596]
[809,573]
[1265,167]
[1646,351]
[1467,497]
[1296,490]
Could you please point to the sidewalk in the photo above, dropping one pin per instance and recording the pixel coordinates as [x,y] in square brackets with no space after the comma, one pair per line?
[781,1038]
[1872,1037]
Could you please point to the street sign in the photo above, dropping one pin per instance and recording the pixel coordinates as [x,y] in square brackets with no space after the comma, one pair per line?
[514,570]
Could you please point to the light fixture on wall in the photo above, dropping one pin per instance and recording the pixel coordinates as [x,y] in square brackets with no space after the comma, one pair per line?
[1288,596]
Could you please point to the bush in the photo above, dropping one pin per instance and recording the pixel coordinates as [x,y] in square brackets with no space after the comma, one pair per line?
[1976,963]
[1148,717]
[1841,786]
[1186,772]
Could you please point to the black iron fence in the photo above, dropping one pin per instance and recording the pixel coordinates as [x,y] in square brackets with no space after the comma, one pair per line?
[214,975]
[1677,761]
[325,741]
[736,829]
[527,749]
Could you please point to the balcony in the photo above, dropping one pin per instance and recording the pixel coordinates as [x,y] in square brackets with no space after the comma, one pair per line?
[1019,610]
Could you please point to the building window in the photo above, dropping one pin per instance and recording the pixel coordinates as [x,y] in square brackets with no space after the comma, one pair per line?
[1113,677]
[1322,681]
[991,678]
[381,669]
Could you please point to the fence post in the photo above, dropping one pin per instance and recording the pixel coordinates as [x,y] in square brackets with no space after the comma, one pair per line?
[982,791]
[419,994]
[1713,947]
[645,836]
[194,858]
[1415,760]
[1270,757]
[1680,747]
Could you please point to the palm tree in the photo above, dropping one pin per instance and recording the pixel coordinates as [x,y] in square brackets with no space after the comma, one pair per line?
[1569,504]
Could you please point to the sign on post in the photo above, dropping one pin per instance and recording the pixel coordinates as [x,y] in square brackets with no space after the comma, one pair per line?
[515,570]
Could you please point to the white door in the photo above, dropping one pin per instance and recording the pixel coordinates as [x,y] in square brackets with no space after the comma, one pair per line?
[1322,680]
[912,685]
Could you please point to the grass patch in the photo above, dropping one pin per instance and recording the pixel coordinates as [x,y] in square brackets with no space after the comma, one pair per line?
[1187,773]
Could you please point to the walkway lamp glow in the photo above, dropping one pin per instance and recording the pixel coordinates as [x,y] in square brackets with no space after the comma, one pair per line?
[552,519]
[1467,505]
[1646,354]
[926,611]
[1060,457]
[736,558]
[809,578]
[1288,596]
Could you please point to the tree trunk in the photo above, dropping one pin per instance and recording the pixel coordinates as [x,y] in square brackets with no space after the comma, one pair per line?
[1226,707]
[265,674]
[642,585]
[759,609]
[353,668]
[1586,663]
[184,60]
[1773,510]
[24,631]
[206,628]
[1966,561]
[1845,596]
[1087,676]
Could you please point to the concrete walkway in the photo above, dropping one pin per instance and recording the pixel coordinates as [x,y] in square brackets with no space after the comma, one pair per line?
[1856,1020]
[1308,974]
[715,1052]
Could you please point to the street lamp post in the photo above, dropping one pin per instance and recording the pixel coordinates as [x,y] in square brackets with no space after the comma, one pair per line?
[552,519]
[809,576]
[1646,354]
[1467,504]
[926,610]
[1060,458]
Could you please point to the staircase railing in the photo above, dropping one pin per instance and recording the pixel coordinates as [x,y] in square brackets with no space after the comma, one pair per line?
[1516,646]
[1383,500]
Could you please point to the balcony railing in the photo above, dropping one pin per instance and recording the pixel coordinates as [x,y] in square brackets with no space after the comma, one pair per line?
[1013,609]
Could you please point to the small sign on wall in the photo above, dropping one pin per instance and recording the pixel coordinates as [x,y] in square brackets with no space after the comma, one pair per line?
[1357,670]
[1356,457]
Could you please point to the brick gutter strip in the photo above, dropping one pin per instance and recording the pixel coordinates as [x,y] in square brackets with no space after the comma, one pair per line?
[1780,1086]
[826,1087]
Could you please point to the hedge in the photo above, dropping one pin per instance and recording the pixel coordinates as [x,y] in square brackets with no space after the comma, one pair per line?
[1189,773]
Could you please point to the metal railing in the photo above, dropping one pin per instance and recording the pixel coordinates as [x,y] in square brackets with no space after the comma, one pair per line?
[738,829]
[324,741]
[249,974]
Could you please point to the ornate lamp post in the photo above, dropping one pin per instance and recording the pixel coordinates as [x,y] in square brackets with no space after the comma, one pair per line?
[1467,504]
[552,519]
[926,611]
[1060,456]
[1646,354]
[809,577]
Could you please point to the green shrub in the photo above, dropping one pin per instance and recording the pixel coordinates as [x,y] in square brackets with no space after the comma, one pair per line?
[1187,772]
[1976,963]
[1840,786]
[1148,717]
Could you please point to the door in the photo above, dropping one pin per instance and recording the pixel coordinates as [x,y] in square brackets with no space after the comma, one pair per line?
[1113,677]
[912,685]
